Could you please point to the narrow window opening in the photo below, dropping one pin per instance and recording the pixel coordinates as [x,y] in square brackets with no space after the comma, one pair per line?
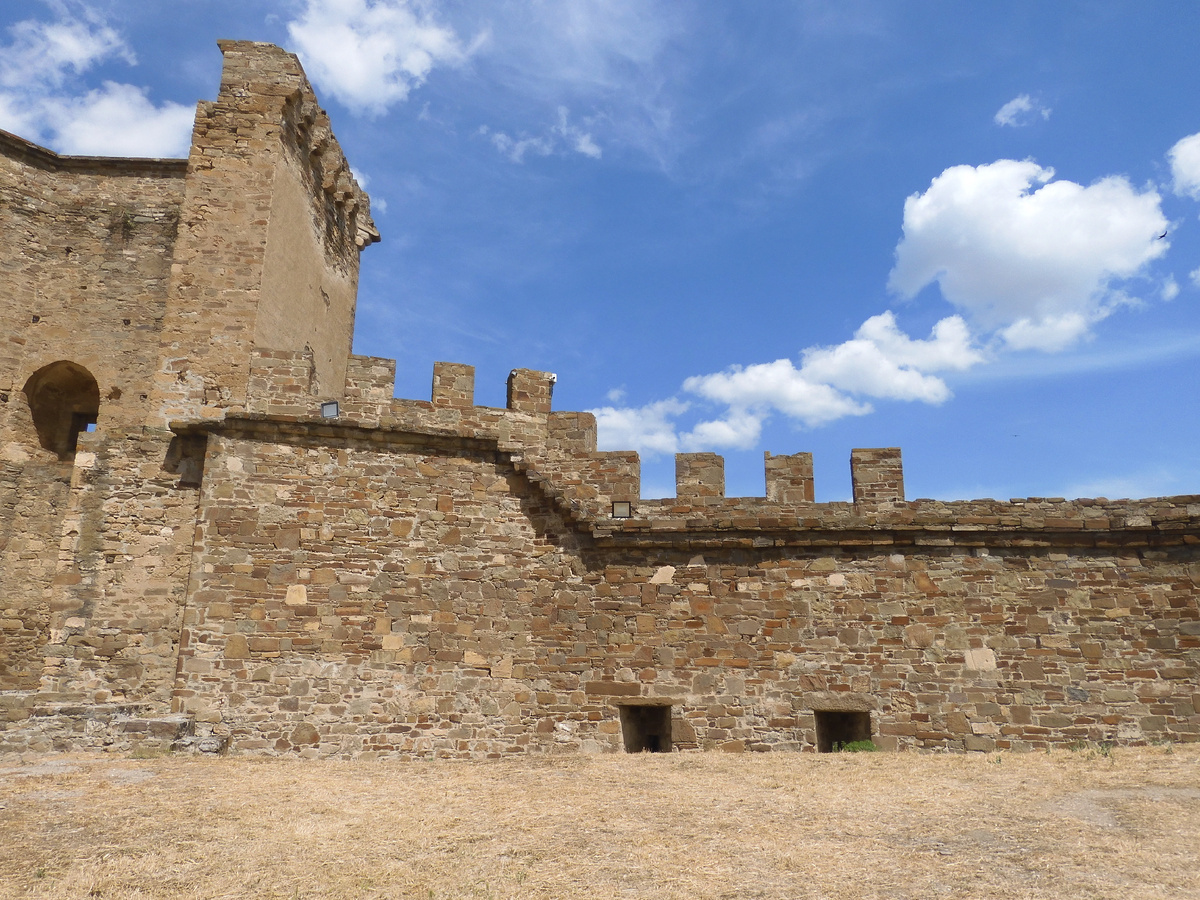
[81,423]
[835,728]
[646,729]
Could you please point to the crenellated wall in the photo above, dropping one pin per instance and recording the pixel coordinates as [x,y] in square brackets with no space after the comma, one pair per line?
[256,547]
[443,579]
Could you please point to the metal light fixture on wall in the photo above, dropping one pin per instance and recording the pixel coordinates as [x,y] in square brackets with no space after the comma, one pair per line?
[622,509]
[329,409]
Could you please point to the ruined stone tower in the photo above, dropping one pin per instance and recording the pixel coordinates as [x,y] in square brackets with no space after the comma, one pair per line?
[218,528]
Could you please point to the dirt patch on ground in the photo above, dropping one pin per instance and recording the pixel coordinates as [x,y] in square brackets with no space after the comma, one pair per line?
[1082,824]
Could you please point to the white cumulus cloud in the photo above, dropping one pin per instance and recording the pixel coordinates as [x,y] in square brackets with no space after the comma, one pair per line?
[38,69]
[776,385]
[1034,259]
[1185,166]
[1019,111]
[879,362]
[648,428]
[739,428]
[371,53]
[119,120]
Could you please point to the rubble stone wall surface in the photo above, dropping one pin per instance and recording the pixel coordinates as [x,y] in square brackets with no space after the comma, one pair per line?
[147,283]
[226,562]
[83,280]
[365,597]
[267,252]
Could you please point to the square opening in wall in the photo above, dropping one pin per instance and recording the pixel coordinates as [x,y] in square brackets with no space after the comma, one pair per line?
[646,729]
[836,728]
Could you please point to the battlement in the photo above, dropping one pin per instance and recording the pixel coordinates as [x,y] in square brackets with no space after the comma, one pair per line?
[600,491]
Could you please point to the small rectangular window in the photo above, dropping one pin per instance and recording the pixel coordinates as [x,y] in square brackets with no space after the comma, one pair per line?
[836,728]
[646,728]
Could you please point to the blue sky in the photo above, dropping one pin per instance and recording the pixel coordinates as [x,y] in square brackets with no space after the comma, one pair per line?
[739,227]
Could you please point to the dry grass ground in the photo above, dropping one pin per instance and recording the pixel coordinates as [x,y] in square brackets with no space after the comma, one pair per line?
[1063,825]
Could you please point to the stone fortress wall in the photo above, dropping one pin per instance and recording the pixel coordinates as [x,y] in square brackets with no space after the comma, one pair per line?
[224,561]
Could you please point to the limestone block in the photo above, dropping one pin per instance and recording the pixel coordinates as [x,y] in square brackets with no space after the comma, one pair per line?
[982,659]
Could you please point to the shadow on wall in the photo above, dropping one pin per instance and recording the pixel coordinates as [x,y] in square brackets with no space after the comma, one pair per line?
[64,400]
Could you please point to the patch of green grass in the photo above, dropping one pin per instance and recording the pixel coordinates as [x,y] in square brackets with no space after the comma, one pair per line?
[867,746]
[1103,749]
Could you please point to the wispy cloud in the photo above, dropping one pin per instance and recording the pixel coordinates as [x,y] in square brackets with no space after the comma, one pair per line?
[611,62]
[1155,482]
[1021,111]
[601,60]
[562,135]
[47,54]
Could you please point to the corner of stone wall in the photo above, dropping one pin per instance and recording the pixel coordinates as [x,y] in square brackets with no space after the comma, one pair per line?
[264,120]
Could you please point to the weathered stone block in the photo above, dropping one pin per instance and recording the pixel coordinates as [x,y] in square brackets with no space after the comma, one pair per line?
[877,476]
[789,478]
[699,477]
[453,385]
[530,391]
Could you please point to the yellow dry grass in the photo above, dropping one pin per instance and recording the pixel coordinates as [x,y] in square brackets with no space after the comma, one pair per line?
[1062,825]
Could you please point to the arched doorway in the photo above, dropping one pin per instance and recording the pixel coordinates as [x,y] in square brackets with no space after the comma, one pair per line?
[64,400]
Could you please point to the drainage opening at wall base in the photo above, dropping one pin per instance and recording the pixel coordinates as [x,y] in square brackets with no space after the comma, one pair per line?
[836,728]
[646,728]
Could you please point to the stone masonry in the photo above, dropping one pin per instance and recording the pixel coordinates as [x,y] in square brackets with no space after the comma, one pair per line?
[197,550]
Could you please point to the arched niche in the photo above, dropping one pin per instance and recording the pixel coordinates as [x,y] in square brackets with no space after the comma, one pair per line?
[64,400]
